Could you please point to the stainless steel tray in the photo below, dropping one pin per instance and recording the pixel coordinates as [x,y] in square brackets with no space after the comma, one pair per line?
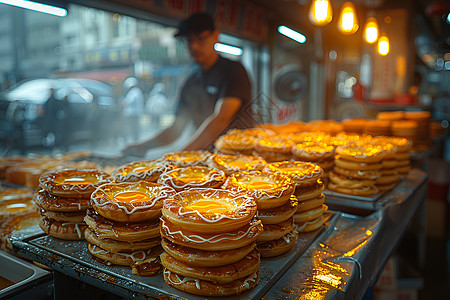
[72,258]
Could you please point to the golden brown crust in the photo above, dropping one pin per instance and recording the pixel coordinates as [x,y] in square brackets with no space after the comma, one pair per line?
[268,188]
[278,246]
[150,256]
[352,165]
[63,230]
[130,201]
[188,158]
[357,174]
[313,151]
[68,217]
[310,191]
[275,231]
[114,246]
[73,183]
[60,204]
[235,143]
[206,288]
[205,258]
[279,214]
[218,274]
[148,170]
[127,232]
[312,214]
[298,171]
[212,241]
[209,210]
[193,177]
[310,204]
[349,183]
[310,225]
[360,154]
[360,191]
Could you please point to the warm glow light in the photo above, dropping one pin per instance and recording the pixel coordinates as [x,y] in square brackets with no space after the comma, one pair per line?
[348,21]
[320,12]
[383,45]
[371,30]
[228,49]
[39,7]
[369,232]
[296,36]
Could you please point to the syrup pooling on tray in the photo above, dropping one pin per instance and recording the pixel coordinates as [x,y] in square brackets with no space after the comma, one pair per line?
[211,205]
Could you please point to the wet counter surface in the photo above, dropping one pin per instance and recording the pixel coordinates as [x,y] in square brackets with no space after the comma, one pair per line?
[340,262]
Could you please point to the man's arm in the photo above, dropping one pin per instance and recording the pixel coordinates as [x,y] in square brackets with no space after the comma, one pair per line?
[162,138]
[224,111]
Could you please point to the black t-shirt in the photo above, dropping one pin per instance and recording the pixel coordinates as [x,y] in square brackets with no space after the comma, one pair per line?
[202,89]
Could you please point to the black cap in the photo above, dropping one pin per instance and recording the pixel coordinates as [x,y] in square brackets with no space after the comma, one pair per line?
[195,24]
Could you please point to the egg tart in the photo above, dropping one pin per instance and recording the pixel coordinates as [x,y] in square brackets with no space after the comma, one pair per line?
[73,183]
[280,214]
[236,163]
[217,274]
[209,210]
[361,154]
[130,201]
[121,231]
[207,288]
[222,240]
[278,246]
[192,177]
[313,151]
[268,188]
[148,170]
[299,172]
[61,204]
[205,258]
[188,158]
[235,143]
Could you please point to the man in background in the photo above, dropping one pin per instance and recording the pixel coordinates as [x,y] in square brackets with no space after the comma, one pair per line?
[214,98]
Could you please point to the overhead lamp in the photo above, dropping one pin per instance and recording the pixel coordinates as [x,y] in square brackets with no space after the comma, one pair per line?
[320,12]
[39,7]
[348,20]
[224,48]
[383,45]
[290,33]
[371,30]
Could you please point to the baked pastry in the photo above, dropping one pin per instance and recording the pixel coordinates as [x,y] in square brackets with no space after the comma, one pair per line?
[236,163]
[268,188]
[377,128]
[63,230]
[280,214]
[278,246]
[73,183]
[130,201]
[149,170]
[355,125]
[274,148]
[188,158]
[235,143]
[209,210]
[193,177]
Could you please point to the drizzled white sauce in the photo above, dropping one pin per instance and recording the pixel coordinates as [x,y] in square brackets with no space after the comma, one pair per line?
[214,239]
[77,227]
[135,256]
[252,277]
[214,175]
[246,201]
[181,281]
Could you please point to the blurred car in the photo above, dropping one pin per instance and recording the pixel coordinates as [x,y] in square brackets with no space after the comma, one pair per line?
[87,100]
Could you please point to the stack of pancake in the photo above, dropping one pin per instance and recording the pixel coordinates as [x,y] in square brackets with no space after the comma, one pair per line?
[402,156]
[234,143]
[63,198]
[388,172]
[231,164]
[377,127]
[308,215]
[209,240]
[124,224]
[272,192]
[356,169]
[319,153]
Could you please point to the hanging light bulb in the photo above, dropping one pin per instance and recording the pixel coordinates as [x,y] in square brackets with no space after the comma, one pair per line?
[320,12]
[383,45]
[348,21]
[371,30]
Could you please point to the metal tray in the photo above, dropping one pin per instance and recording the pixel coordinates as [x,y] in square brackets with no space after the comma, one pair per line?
[72,258]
